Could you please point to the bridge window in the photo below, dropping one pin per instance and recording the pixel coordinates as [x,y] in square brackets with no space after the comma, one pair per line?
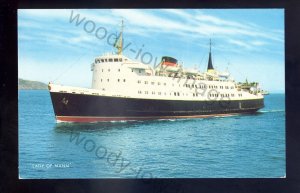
[102,60]
[110,59]
[115,59]
[120,59]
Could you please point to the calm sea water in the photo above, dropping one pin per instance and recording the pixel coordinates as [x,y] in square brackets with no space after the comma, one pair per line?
[249,146]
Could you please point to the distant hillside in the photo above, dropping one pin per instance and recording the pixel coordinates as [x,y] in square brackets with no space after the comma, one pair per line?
[31,85]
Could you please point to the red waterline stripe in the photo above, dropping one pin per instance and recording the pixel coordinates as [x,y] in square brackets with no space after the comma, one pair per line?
[169,64]
[100,119]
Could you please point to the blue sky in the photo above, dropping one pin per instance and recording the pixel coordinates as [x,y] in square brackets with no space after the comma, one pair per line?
[247,42]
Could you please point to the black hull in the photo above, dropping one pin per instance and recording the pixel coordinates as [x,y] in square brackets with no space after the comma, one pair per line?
[88,108]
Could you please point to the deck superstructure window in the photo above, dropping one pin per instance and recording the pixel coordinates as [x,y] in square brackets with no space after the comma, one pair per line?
[139,81]
[124,80]
[120,59]
[102,60]
[107,80]
[115,59]
[110,59]
[118,80]
[146,82]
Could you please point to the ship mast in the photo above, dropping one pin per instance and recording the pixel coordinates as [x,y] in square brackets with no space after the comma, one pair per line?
[210,67]
[120,49]
[119,41]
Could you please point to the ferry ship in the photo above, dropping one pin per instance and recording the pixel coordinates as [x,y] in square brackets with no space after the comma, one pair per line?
[124,89]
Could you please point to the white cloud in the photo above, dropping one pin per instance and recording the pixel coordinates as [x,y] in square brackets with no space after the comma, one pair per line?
[258,43]
[240,43]
[145,23]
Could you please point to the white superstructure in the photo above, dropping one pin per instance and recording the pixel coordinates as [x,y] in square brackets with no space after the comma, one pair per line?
[115,74]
